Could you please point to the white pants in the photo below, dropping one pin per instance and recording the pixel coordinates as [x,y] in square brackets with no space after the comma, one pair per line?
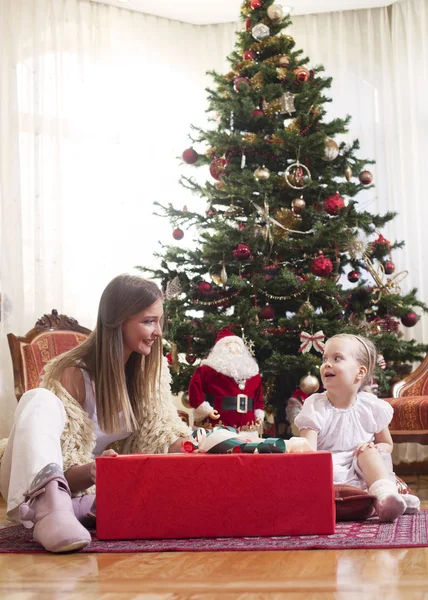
[33,443]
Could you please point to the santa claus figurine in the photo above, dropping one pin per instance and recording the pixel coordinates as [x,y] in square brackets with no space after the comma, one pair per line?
[226,389]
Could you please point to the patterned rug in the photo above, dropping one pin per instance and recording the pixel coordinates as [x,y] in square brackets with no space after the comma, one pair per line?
[409,531]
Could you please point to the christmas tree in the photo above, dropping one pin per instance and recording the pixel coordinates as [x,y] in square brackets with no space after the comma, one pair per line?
[285,256]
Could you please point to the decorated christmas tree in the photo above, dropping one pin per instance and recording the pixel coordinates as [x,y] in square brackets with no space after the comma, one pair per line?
[285,256]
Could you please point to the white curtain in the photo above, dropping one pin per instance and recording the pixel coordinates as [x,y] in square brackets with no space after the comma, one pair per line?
[96,105]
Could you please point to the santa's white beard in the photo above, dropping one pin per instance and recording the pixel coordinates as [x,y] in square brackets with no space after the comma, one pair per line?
[239,367]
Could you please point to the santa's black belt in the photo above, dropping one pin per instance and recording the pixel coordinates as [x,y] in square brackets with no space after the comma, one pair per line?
[241,403]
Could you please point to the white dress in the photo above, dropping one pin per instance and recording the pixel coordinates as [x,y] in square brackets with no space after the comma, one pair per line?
[340,431]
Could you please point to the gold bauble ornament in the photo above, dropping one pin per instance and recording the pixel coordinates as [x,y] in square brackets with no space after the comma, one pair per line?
[284,60]
[331,150]
[309,384]
[275,12]
[185,400]
[262,174]
[219,185]
[348,173]
[306,310]
[298,205]
[288,220]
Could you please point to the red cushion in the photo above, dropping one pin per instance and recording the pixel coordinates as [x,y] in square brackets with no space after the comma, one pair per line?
[42,349]
[352,503]
[223,495]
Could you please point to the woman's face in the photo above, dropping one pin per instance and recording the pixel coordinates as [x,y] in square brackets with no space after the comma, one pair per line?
[140,331]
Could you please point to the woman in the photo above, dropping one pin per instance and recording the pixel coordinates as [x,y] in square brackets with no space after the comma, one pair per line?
[111,388]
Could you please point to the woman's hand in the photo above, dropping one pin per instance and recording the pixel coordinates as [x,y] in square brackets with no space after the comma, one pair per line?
[214,414]
[360,449]
[109,452]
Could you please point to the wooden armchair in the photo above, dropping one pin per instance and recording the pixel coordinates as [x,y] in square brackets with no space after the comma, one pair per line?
[410,404]
[51,336]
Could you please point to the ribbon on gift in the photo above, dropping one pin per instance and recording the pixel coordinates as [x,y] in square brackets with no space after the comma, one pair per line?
[308,341]
[390,285]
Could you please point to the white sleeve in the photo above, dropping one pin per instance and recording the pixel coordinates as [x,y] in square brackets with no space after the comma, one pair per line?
[312,415]
[382,413]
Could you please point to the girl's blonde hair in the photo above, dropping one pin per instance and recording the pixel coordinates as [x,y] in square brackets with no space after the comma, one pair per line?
[118,390]
[366,355]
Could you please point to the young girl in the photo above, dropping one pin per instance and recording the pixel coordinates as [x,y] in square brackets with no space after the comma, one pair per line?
[352,424]
[111,388]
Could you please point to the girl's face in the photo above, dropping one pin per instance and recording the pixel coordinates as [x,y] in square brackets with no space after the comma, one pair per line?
[140,331]
[340,368]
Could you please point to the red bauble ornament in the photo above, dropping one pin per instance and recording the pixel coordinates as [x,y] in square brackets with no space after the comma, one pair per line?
[410,319]
[190,156]
[382,244]
[191,358]
[267,312]
[239,81]
[250,55]
[321,266]
[255,4]
[178,234]
[301,74]
[217,167]
[389,267]
[333,204]
[365,177]
[257,113]
[353,276]
[204,287]
[242,251]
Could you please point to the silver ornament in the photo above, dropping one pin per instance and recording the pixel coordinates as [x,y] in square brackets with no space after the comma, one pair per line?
[287,103]
[173,288]
[260,31]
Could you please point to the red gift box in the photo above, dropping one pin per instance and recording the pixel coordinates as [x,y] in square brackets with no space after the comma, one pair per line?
[145,496]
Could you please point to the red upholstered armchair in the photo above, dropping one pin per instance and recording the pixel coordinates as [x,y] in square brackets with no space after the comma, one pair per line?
[51,336]
[410,403]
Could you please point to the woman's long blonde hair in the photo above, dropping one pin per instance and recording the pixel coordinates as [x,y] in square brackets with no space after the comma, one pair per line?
[118,390]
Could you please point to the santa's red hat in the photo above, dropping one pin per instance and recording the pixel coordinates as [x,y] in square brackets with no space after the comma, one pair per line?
[225,332]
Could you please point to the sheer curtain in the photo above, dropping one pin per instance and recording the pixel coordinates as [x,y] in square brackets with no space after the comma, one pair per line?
[96,105]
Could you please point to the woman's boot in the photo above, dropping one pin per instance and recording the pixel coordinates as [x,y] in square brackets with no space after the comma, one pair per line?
[48,505]
[84,510]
